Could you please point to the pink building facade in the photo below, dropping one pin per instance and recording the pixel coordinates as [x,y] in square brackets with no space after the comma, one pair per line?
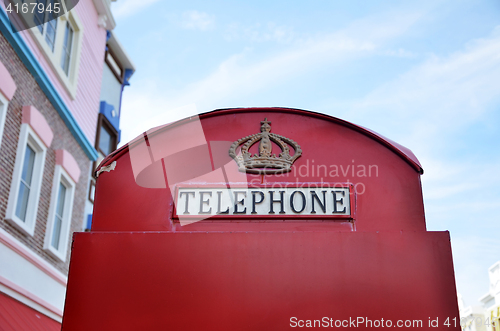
[60,93]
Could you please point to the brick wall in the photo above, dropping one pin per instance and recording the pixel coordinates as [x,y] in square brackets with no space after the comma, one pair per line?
[29,93]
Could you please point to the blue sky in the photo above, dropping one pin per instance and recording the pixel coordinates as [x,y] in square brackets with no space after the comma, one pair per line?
[425,74]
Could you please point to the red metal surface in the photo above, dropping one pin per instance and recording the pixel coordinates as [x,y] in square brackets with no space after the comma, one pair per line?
[139,269]
[257,281]
[404,152]
[391,200]
[15,316]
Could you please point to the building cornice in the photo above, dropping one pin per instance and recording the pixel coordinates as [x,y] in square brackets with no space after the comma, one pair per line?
[106,19]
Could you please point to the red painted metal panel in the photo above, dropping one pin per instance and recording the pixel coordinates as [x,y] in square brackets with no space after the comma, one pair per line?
[390,199]
[258,280]
[140,268]
[404,152]
[15,316]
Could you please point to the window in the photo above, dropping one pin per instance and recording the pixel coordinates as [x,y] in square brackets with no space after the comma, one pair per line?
[58,219]
[60,211]
[92,191]
[50,33]
[106,139]
[26,181]
[3,111]
[39,18]
[114,65]
[46,23]
[60,41]
[67,44]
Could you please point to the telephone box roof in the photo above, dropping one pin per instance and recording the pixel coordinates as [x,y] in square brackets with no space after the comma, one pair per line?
[403,152]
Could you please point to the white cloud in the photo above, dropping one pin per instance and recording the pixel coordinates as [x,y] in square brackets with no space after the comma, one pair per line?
[126,8]
[145,110]
[443,93]
[400,52]
[239,76]
[196,20]
[260,33]
[433,108]
[429,108]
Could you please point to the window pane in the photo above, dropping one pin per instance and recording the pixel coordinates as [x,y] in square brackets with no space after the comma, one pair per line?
[65,62]
[25,185]
[57,233]
[60,200]
[28,164]
[67,45]
[105,141]
[38,17]
[22,201]
[50,34]
[114,66]
[50,14]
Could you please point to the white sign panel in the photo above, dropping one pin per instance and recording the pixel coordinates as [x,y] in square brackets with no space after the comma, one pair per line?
[206,202]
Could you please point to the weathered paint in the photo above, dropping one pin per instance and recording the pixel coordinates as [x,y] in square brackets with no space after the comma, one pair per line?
[107,168]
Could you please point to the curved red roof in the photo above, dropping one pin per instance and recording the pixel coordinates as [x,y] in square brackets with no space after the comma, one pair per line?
[405,153]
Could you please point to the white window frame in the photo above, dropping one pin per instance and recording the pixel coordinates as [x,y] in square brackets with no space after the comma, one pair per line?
[4,104]
[26,137]
[70,80]
[60,177]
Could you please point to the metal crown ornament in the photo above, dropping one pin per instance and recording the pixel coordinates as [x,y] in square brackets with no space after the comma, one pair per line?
[264,162]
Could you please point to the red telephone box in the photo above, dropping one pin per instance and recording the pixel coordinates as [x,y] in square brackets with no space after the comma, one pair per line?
[260,218]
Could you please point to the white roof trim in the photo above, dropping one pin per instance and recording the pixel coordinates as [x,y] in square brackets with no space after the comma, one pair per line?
[120,52]
[106,19]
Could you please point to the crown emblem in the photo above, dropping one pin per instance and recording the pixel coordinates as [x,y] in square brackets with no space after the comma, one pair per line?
[265,162]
